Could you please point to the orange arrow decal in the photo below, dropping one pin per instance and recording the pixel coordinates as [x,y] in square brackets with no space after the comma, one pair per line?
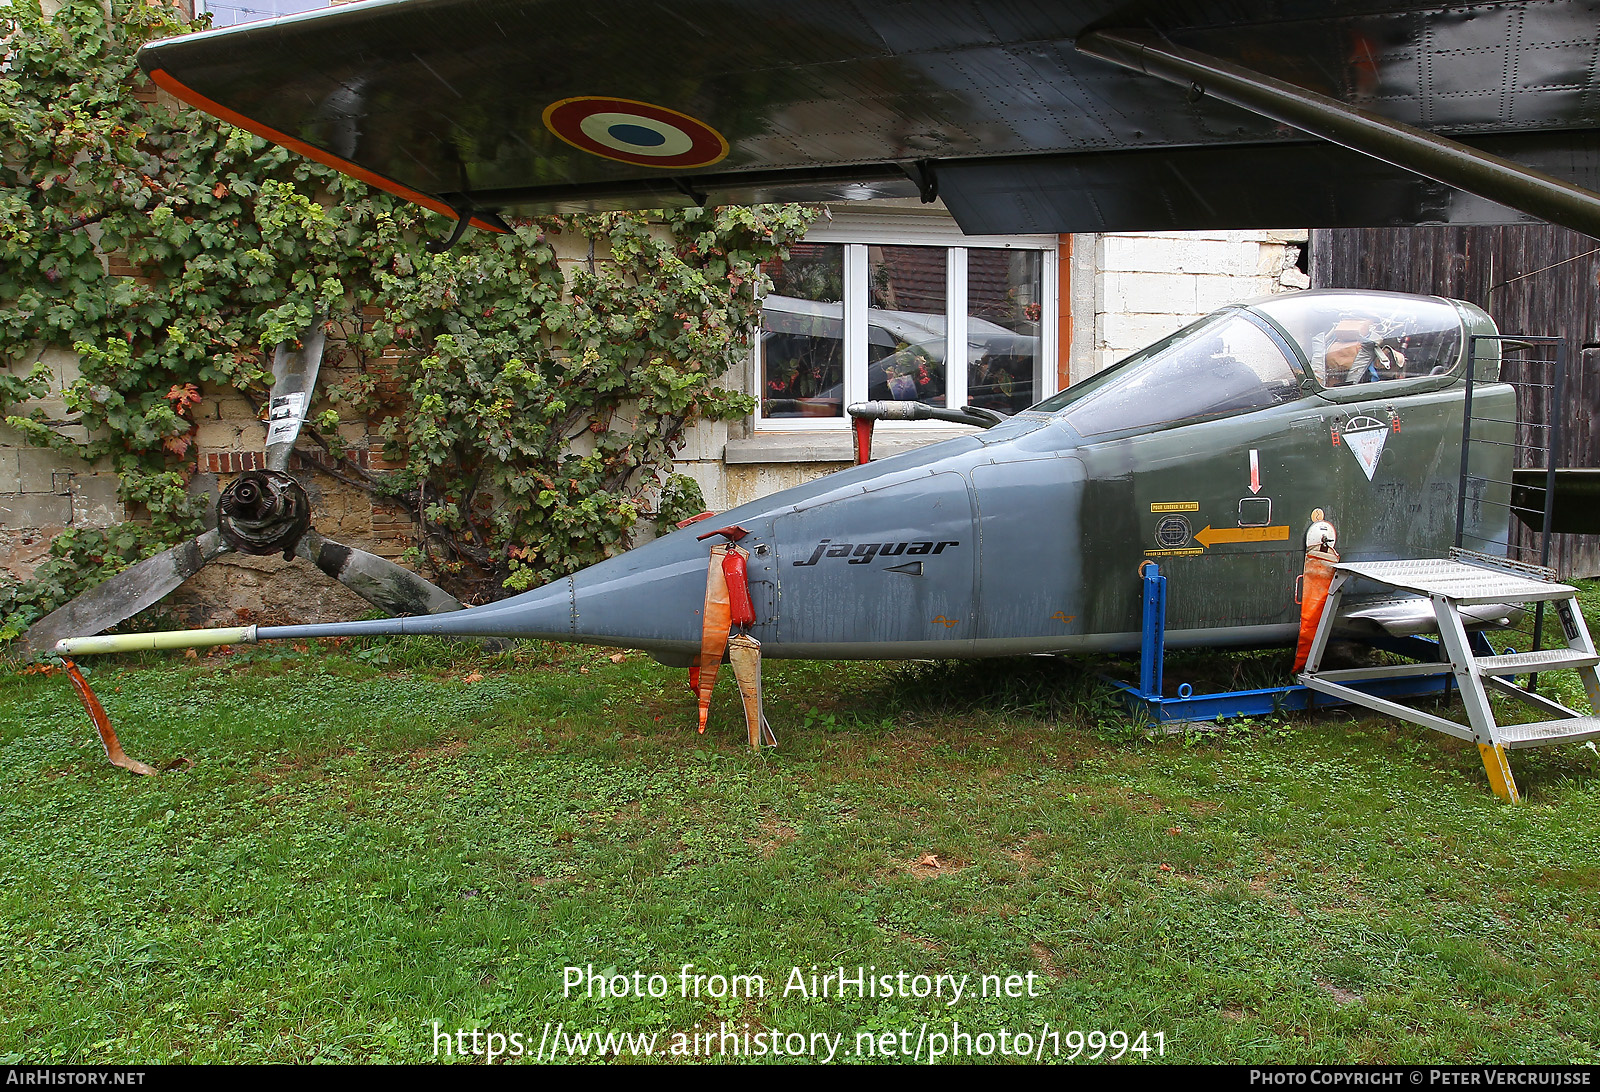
[1213,536]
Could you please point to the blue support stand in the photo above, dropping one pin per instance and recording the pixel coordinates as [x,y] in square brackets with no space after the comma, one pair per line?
[1189,706]
[1153,646]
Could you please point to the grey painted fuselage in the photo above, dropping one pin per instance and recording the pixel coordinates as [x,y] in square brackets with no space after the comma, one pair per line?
[1029,537]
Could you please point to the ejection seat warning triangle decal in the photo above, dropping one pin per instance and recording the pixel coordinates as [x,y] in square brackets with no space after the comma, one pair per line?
[1365,437]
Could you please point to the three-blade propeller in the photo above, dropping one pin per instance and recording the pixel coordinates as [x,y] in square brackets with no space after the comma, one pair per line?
[261,512]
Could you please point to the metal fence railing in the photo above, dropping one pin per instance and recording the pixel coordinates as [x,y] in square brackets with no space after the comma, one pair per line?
[1536,367]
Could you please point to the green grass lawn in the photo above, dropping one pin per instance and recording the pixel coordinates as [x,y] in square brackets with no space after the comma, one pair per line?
[375,838]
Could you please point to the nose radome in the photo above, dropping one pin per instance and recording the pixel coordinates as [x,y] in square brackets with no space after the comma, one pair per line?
[648,598]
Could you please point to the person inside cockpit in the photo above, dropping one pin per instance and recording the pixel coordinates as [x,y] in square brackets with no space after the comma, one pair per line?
[1357,350]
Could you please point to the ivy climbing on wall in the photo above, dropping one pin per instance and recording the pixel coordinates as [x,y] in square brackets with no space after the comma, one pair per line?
[538,408]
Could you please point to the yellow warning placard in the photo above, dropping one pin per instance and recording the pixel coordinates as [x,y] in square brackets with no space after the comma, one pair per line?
[1174,506]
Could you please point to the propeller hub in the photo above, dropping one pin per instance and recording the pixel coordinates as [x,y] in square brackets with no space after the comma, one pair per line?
[263,512]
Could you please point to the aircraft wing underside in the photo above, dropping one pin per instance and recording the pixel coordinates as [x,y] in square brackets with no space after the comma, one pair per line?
[479,106]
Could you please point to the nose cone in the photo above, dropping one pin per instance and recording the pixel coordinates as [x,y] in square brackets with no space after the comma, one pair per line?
[648,598]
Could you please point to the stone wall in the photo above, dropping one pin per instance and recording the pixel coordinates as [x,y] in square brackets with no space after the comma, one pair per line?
[43,492]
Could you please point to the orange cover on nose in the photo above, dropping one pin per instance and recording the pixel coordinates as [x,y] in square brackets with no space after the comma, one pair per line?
[1313,595]
[715,624]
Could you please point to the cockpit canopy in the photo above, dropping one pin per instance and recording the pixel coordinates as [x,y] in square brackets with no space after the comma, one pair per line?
[1368,337]
[1262,354]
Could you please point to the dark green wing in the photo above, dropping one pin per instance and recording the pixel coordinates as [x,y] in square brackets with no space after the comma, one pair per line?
[541,105]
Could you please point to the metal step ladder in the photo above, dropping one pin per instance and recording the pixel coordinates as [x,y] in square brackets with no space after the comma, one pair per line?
[1467,579]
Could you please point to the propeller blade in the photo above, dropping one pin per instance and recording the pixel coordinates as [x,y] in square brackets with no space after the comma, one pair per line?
[382,583]
[124,595]
[294,377]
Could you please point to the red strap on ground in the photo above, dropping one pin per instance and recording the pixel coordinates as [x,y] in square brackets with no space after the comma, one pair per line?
[102,723]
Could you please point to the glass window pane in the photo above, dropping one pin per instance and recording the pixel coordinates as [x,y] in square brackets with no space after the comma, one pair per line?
[802,333]
[907,305]
[1005,313]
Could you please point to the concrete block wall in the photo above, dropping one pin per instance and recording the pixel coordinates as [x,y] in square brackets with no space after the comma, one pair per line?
[1148,284]
[726,487]
[42,491]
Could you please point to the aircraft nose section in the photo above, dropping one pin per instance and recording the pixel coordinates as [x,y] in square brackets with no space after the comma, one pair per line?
[650,598]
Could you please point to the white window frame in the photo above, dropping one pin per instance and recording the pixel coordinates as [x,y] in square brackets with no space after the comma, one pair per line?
[858,231]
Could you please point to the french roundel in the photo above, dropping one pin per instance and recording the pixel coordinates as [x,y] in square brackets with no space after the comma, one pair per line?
[635,132]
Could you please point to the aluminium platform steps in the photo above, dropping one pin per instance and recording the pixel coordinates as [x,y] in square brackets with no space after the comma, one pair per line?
[1523,663]
[1542,733]
[1463,583]
[1449,584]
